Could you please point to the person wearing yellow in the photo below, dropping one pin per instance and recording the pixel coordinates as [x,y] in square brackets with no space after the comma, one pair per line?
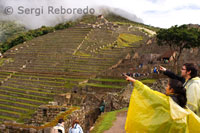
[153,112]
[191,82]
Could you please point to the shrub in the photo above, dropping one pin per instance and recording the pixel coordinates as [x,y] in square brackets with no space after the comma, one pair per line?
[22,37]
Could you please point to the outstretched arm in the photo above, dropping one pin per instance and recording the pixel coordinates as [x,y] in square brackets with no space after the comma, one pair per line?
[171,74]
[128,78]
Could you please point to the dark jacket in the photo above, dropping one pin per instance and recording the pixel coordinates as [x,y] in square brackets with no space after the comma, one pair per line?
[174,76]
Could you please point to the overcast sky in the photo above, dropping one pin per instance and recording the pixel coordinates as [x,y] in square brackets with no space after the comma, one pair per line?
[160,13]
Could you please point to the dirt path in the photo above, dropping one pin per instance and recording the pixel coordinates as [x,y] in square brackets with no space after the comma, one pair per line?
[118,125]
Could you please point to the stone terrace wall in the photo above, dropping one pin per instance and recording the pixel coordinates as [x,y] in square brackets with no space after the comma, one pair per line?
[86,118]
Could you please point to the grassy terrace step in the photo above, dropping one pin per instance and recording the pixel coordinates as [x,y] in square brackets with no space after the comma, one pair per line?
[84,71]
[71,45]
[110,53]
[91,57]
[50,49]
[3,76]
[35,98]
[31,88]
[103,86]
[21,99]
[74,35]
[31,92]
[70,68]
[110,80]
[116,82]
[13,108]
[53,83]
[66,51]
[91,62]
[77,34]
[103,89]
[72,72]
[39,78]
[77,58]
[46,69]
[10,68]
[53,77]
[18,104]
[39,85]
[46,78]
[6,118]
[66,39]
[10,113]
[5,73]
[65,46]
[67,65]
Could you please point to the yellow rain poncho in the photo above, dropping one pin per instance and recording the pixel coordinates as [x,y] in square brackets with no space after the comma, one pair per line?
[153,112]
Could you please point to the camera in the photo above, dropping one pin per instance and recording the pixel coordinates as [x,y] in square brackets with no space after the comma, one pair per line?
[127,74]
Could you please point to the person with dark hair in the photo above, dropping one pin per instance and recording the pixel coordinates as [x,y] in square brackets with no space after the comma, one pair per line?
[76,128]
[191,82]
[177,92]
[59,128]
[154,112]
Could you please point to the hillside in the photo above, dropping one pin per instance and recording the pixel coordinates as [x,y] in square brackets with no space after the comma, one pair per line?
[34,72]
[8,29]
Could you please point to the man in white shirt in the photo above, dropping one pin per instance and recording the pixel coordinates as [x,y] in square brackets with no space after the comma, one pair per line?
[59,128]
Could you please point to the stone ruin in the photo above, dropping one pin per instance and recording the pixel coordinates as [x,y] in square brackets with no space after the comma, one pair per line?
[102,22]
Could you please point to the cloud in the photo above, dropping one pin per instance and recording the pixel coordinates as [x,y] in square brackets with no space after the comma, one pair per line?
[160,13]
[188,7]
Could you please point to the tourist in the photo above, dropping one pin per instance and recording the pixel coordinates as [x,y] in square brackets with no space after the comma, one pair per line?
[76,128]
[155,70]
[152,111]
[191,82]
[102,106]
[59,128]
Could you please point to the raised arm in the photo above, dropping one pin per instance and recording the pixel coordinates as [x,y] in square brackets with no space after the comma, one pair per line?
[171,74]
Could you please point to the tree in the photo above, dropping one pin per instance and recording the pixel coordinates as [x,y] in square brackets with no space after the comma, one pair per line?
[179,38]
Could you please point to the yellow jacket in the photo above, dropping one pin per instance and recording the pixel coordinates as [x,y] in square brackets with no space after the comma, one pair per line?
[153,112]
[193,94]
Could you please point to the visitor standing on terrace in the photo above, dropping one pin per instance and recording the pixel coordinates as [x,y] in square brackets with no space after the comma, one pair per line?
[59,128]
[76,128]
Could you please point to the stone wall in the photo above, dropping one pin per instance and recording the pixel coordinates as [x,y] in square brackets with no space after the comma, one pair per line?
[46,113]
[85,117]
